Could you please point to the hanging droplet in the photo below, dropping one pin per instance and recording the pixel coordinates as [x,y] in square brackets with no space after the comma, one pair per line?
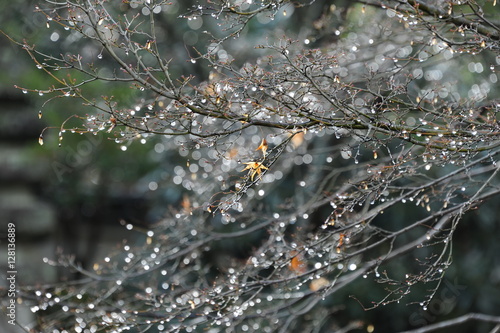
[40,114]
[25,91]
[99,56]
[40,140]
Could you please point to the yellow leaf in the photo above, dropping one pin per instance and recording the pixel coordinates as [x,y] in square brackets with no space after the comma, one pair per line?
[255,168]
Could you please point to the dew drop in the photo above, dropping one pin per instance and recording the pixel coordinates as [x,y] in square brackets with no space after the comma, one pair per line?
[226,218]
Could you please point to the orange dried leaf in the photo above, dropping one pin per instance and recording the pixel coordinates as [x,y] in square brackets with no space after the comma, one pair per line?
[263,146]
[342,240]
[255,168]
[186,204]
[210,90]
[298,265]
[298,139]
[113,124]
[318,284]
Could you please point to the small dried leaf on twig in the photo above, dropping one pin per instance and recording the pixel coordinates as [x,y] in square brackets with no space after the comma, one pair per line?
[255,168]
[263,146]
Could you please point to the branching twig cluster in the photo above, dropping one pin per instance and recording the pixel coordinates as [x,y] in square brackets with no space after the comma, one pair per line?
[376,121]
